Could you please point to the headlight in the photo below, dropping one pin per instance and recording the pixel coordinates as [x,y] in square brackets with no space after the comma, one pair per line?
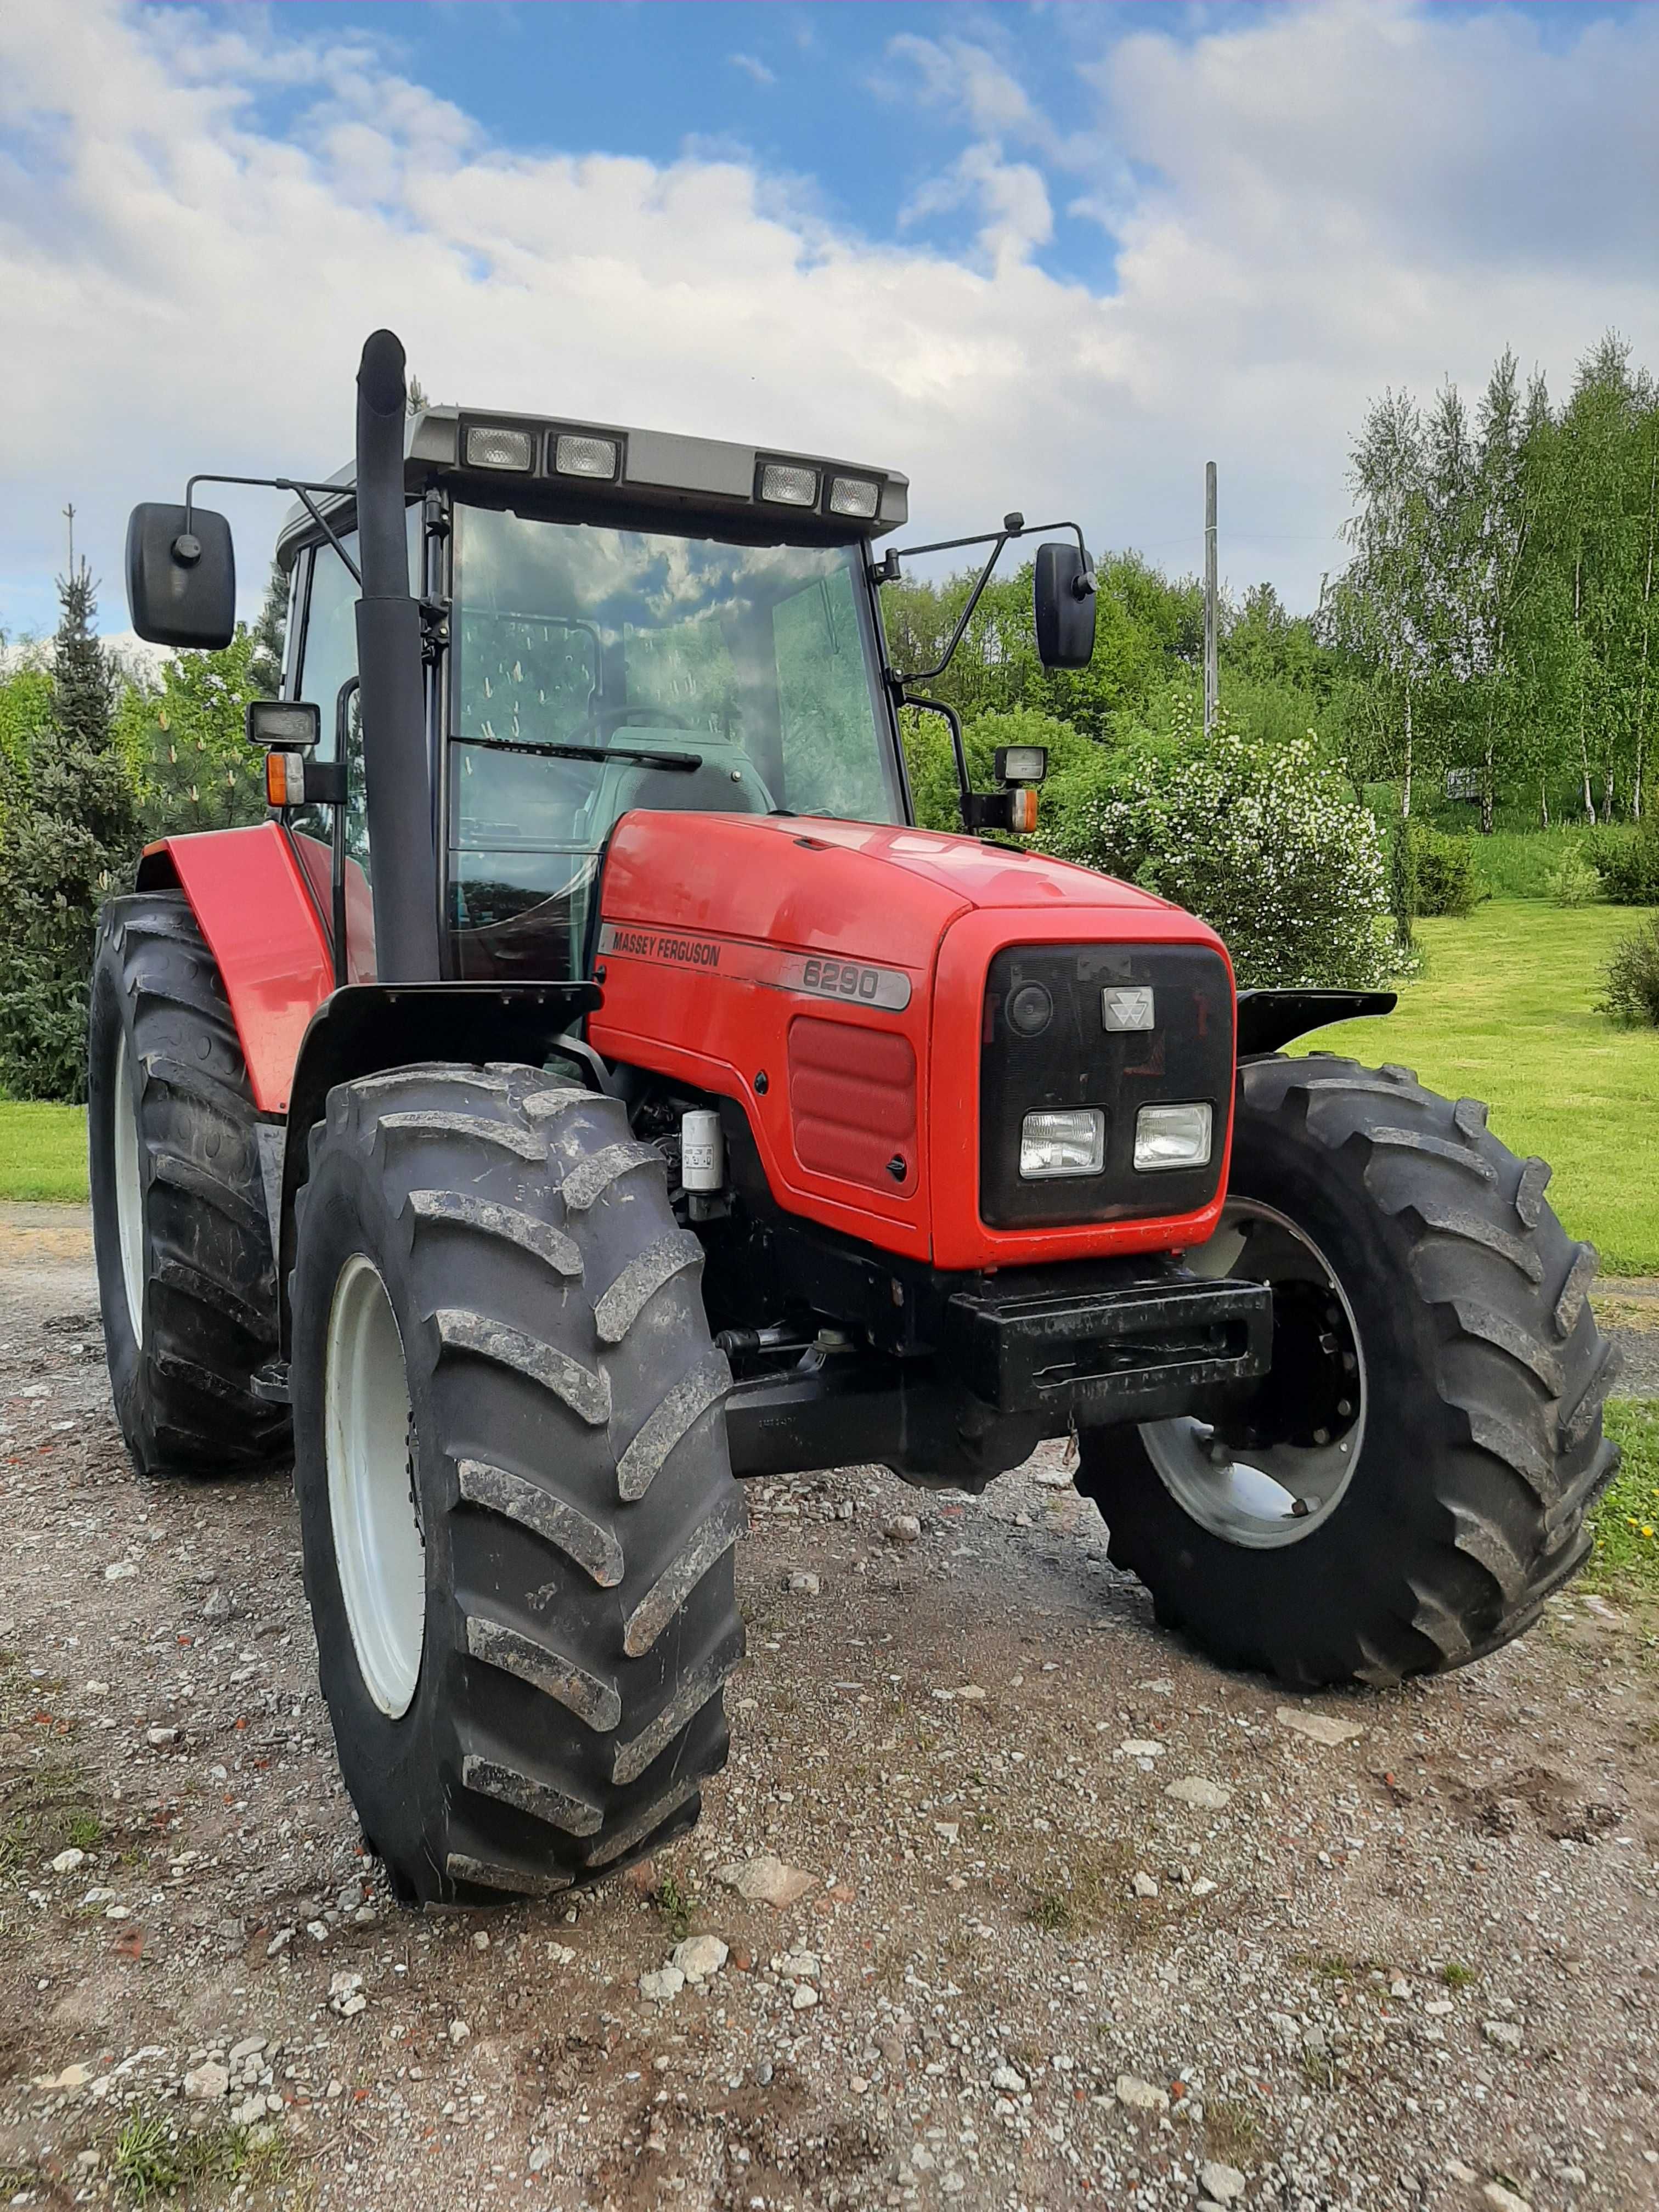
[1073,1143]
[1172,1136]
[852,495]
[577,454]
[789,485]
[493,445]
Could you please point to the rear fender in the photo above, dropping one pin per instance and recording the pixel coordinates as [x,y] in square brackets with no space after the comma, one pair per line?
[265,927]
[365,1028]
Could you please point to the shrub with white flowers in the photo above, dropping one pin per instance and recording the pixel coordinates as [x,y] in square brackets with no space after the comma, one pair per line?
[1264,843]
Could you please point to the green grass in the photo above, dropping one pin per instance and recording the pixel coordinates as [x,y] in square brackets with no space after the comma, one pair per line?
[1626,1555]
[1506,1011]
[155,2159]
[42,1151]
[1514,863]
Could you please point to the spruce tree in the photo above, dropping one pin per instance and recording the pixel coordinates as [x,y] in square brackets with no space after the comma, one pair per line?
[68,832]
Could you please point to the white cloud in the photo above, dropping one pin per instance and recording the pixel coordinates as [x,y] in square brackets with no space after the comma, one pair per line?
[752,66]
[1329,201]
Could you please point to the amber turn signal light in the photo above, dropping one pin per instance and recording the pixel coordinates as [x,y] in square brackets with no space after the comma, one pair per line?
[291,780]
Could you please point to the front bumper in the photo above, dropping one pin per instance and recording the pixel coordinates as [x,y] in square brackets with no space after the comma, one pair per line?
[1053,1343]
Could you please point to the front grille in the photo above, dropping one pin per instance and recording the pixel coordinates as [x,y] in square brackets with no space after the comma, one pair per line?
[1075,1060]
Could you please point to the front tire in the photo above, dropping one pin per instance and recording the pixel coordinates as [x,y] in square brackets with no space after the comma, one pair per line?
[180,1232]
[1408,1487]
[516,1503]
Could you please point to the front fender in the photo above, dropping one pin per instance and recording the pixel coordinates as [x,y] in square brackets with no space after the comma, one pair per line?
[1269,1019]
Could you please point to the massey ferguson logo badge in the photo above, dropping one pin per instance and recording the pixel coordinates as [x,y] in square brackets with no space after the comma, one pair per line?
[1126,1006]
[853,980]
[649,944]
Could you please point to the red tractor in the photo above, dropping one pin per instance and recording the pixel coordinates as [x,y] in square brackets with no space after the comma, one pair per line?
[589,1086]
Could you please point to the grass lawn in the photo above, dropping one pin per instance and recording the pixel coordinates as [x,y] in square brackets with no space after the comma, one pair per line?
[1506,1012]
[42,1151]
[1626,1556]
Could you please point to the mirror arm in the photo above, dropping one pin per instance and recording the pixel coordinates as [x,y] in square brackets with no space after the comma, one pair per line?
[927,675]
[301,491]
[940,707]
[1013,525]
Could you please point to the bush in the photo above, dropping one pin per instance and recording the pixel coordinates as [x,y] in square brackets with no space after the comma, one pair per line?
[1447,878]
[1572,881]
[1264,843]
[1632,976]
[1627,861]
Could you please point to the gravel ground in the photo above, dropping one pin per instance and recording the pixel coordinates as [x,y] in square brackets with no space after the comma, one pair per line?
[1079,1918]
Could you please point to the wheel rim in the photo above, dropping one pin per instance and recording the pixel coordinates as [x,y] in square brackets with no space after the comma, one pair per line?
[1265,1493]
[129,1190]
[378,1548]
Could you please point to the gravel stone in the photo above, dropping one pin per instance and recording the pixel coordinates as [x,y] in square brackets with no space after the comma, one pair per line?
[766,1881]
[1318,1728]
[1222,2183]
[700,1958]
[1194,1789]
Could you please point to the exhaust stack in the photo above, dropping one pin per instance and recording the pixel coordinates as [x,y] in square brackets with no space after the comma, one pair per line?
[403,861]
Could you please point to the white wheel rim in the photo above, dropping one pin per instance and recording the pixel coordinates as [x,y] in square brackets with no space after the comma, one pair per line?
[129,1190]
[378,1551]
[1261,1497]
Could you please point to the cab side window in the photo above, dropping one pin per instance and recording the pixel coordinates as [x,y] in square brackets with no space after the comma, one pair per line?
[328,658]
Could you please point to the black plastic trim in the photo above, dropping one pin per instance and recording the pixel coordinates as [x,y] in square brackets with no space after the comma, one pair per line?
[1270,1019]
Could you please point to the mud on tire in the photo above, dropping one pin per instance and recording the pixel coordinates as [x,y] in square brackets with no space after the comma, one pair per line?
[566,1454]
[1486,1377]
[182,1238]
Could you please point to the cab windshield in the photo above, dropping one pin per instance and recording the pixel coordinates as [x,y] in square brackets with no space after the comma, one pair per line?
[598,670]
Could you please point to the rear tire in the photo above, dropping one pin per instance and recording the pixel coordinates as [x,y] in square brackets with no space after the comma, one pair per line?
[1477,1441]
[180,1232]
[496,1315]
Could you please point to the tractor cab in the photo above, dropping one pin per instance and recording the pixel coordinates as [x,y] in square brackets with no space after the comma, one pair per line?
[615,620]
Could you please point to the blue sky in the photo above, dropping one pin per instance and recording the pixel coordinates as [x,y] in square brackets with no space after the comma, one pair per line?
[1047,256]
[826,95]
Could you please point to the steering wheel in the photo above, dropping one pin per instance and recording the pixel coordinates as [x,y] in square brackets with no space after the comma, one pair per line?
[604,718]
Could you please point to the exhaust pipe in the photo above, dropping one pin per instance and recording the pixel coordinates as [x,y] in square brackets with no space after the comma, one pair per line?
[391,696]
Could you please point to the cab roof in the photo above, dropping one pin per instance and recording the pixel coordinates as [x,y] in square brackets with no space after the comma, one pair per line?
[692,478]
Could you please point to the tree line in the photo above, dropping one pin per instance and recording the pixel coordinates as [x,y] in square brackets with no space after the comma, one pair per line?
[1496,615]
[1488,643]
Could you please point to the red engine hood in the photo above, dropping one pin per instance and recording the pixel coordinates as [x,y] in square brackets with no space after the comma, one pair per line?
[876,892]
[829,976]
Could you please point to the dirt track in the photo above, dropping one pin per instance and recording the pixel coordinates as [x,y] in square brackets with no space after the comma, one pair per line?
[1412,1968]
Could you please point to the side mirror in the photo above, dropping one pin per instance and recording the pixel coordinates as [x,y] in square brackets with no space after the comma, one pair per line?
[1063,603]
[181,584]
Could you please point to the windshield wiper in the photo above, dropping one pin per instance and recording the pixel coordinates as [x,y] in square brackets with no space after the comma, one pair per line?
[689,764]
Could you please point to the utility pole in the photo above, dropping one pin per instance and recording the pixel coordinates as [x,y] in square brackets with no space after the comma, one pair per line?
[1211,689]
[68,516]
